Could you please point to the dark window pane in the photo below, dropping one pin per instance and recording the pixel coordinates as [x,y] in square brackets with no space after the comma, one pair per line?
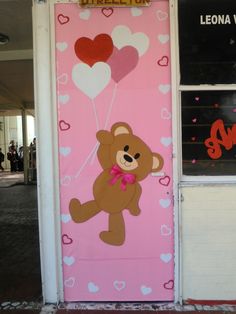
[207,36]
[209,132]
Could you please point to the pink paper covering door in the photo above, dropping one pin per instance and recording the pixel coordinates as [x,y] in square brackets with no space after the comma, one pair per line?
[113,66]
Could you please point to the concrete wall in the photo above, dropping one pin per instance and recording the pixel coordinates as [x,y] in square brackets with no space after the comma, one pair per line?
[209,242]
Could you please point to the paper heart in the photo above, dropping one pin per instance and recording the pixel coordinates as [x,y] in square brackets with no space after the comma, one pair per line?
[70,282]
[165,114]
[63,19]
[68,260]
[107,11]
[166,258]
[122,36]
[165,230]
[169,285]
[145,290]
[63,99]
[164,88]
[61,46]
[66,239]
[136,11]
[85,15]
[65,218]
[166,141]
[92,287]
[164,61]
[165,181]
[165,202]
[65,181]
[119,285]
[91,80]
[122,62]
[63,125]
[197,98]
[65,151]
[162,16]
[62,79]
[163,38]
[194,120]
[97,50]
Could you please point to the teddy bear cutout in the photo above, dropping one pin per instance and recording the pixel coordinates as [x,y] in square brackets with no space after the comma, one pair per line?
[126,160]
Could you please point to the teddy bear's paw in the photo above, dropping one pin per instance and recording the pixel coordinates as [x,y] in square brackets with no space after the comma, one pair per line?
[74,208]
[112,238]
[135,211]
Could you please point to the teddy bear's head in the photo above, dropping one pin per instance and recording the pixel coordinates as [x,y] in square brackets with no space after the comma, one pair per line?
[131,154]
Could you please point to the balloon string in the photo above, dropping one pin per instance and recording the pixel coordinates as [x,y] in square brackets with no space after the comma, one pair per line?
[111,105]
[107,119]
[86,161]
[95,114]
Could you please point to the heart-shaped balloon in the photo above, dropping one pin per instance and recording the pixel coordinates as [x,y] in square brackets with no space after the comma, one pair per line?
[91,51]
[122,62]
[91,80]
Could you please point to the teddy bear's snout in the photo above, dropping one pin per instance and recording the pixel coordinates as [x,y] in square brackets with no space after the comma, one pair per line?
[128,158]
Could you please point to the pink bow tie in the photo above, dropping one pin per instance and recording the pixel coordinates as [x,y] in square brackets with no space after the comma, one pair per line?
[117,173]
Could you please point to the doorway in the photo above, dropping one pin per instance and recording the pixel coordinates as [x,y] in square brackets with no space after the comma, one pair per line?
[20,275]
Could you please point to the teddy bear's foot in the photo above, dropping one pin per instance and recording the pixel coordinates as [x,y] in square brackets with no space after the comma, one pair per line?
[81,213]
[112,238]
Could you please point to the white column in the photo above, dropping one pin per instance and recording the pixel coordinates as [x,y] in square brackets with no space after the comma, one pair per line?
[47,164]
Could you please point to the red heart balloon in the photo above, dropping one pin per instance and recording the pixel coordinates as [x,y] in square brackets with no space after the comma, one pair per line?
[91,51]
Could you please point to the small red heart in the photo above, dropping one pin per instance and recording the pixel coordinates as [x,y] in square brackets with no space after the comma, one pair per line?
[164,61]
[63,19]
[92,51]
[64,126]
[66,239]
[107,11]
[169,285]
[165,181]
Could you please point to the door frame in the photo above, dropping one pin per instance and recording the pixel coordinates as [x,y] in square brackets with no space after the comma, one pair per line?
[47,141]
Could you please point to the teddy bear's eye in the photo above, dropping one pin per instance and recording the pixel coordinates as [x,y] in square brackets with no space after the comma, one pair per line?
[136,156]
[126,148]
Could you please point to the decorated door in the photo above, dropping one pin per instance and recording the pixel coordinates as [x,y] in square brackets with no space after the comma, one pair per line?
[115,152]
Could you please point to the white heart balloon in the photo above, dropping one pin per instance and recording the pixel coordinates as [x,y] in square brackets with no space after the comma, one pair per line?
[122,36]
[91,80]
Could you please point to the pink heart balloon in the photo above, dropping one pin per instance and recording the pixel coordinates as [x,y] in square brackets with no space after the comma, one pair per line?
[122,62]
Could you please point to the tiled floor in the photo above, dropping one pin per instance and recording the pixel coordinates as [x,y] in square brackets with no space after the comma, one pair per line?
[19,244]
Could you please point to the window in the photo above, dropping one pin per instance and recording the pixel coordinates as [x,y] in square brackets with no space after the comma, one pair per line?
[207,39]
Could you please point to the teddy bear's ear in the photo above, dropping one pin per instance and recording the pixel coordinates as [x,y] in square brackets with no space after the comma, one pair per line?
[157,162]
[121,128]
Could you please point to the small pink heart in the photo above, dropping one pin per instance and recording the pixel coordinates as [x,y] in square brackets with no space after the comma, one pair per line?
[194,120]
[234,110]
[107,11]
[194,161]
[197,98]
[66,239]
[63,19]
[216,105]
[169,285]
[193,138]
[64,126]
[163,61]
[165,181]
